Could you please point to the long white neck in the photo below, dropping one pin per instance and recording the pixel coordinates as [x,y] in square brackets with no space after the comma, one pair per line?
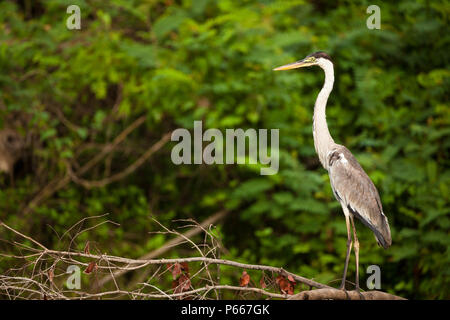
[323,142]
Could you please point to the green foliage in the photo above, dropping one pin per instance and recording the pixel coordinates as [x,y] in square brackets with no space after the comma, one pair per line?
[180,61]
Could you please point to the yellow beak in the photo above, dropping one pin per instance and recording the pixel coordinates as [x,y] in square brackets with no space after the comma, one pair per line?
[294,65]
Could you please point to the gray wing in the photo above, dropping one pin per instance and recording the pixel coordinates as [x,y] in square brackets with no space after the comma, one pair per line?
[354,189]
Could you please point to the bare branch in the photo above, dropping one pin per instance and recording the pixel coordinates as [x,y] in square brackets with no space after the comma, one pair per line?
[170,244]
[44,271]
[335,294]
[186,294]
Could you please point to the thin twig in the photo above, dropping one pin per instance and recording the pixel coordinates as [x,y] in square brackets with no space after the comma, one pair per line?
[169,245]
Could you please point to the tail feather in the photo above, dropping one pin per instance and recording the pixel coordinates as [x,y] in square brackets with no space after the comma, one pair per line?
[383,233]
[380,227]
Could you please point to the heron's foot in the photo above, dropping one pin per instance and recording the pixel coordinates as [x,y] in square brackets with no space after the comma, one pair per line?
[345,291]
[358,291]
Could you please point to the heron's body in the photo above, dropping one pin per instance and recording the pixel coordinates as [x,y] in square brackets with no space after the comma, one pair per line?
[351,186]
[355,191]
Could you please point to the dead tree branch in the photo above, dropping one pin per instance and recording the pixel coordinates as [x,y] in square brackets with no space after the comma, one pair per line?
[43,271]
[170,244]
[335,294]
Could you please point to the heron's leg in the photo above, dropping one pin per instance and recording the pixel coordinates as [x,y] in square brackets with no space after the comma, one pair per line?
[355,239]
[349,248]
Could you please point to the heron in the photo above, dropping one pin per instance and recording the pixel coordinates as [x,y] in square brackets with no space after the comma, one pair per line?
[350,184]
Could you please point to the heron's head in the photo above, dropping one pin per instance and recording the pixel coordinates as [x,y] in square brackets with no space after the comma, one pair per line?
[319,58]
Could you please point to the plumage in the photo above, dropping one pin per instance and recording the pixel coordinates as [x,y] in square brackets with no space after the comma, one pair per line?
[353,188]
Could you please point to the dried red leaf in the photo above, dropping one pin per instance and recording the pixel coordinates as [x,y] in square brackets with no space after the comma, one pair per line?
[262,283]
[245,279]
[290,289]
[291,279]
[91,267]
[181,280]
[175,268]
[51,275]
[86,248]
[184,267]
[286,286]
[278,279]
[184,282]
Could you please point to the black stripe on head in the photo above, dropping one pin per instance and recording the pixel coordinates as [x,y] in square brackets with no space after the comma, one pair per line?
[320,54]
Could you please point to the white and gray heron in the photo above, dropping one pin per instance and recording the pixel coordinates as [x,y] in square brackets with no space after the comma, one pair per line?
[351,186]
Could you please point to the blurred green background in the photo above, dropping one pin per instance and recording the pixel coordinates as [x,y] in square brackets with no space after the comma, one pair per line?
[74,91]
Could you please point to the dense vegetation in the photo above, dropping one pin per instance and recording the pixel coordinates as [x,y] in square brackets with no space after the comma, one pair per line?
[71,92]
